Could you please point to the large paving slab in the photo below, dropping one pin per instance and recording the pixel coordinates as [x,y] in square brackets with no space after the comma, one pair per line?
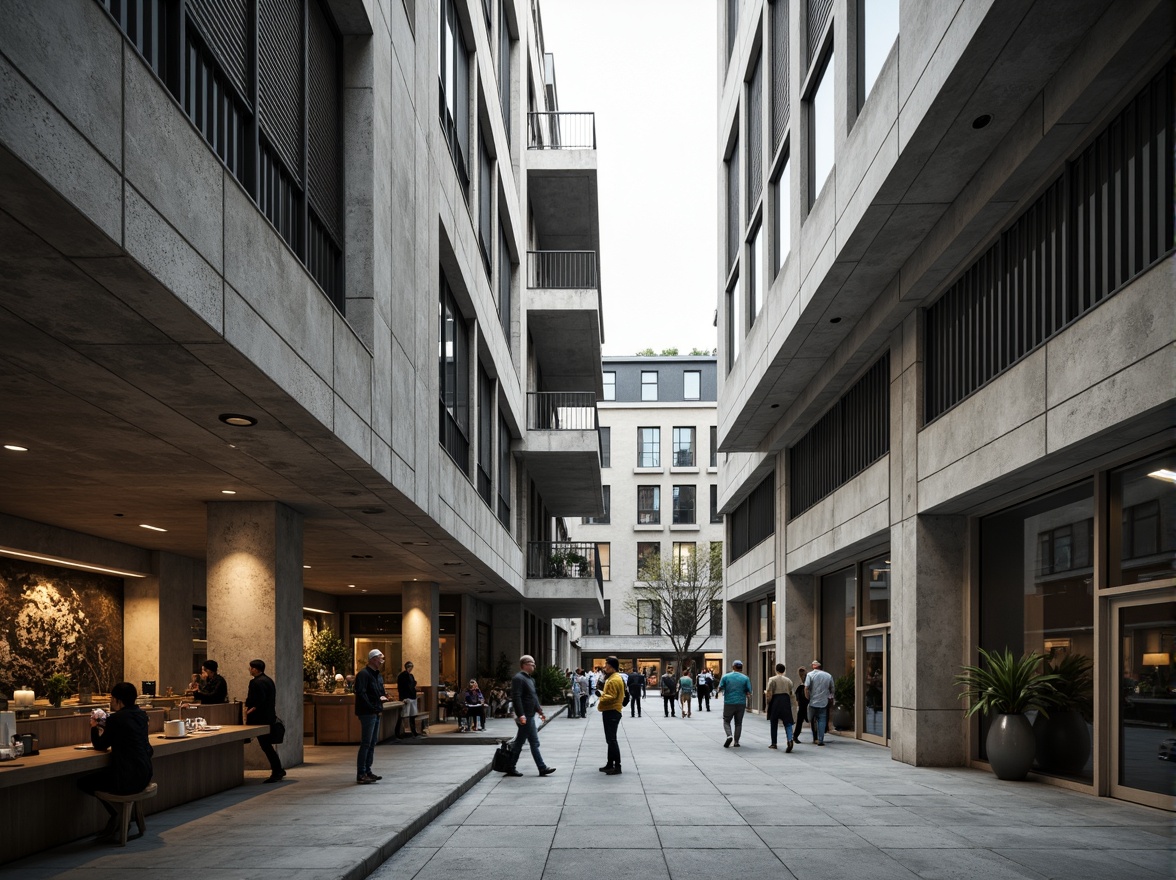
[683,808]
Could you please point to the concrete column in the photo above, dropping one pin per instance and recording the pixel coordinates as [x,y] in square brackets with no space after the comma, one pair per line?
[929,584]
[421,611]
[506,633]
[796,610]
[157,623]
[255,607]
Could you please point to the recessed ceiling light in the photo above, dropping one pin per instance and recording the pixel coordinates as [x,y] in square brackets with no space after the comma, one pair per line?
[363,591]
[981,121]
[775,406]
[834,320]
[228,492]
[306,566]
[153,528]
[316,610]
[68,563]
[1164,474]
[12,447]
[352,586]
[237,420]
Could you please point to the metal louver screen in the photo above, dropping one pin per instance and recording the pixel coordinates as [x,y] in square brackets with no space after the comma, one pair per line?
[224,25]
[780,96]
[280,79]
[851,436]
[322,161]
[818,17]
[755,140]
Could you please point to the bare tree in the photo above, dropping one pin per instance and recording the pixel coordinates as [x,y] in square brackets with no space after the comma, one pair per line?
[677,596]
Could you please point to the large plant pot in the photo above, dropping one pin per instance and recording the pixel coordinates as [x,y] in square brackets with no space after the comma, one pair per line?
[1062,741]
[841,719]
[1011,746]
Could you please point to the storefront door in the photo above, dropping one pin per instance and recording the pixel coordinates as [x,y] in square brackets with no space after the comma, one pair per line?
[873,710]
[1143,699]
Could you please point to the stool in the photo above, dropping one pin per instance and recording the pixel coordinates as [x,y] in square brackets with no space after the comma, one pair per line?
[128,804]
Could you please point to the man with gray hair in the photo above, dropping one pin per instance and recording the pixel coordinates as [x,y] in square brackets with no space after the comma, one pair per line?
[525,701]
[818,684]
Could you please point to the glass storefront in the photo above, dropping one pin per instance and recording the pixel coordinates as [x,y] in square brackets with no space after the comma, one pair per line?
[1036,592]
[1145,697]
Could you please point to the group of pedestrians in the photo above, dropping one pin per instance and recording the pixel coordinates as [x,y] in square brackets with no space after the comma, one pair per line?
[813,696]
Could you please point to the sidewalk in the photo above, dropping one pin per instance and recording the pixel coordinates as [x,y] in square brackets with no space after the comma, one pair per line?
[684,808]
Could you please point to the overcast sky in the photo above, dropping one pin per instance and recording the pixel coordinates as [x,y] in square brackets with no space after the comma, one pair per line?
[647,69]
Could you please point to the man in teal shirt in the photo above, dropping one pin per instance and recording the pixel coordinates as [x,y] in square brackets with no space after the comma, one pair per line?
[735,688]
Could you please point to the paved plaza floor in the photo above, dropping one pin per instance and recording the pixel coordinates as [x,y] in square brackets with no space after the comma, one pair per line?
[683,808]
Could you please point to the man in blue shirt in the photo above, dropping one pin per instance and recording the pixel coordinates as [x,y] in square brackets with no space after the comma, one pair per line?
[818,685]
[735,688]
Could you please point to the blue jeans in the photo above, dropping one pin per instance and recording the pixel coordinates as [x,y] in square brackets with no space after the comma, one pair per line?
[818,721]
[529,733]
[369,726]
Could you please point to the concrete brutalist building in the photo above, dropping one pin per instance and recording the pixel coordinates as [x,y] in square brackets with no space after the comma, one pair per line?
[309,290]
[946,365]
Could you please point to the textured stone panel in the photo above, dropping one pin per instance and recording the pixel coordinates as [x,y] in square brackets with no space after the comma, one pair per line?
[156,245]
[171,165]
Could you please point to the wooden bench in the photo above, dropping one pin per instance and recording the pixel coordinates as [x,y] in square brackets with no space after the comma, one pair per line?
[129,804]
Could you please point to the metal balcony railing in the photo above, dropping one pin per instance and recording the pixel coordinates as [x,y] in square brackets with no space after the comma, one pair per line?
[561,411]
[562,270]
[565,559]
[561,131]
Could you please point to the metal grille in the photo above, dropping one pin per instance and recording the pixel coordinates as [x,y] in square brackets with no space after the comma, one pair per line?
[754,519]
[485,202]
[279,79]
[846,440]
[503,473]
[561,270]
[485,436]
[323,136]
[561,411]
[146,24]
[224,25]
[780,96]
[1102,222]
[324,259]
[755,140]
[214,108]
[818,17]
[278,196]
[733,205]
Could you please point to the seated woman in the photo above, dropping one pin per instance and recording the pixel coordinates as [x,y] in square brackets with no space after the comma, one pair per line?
[475,705]
[124,733]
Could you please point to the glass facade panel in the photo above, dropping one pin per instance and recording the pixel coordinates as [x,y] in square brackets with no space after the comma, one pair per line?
[781,218]
[684,504]
[877,29]
[648,554]
[649,447]
[648,505]
[838,621]
[875,598]
[691,385]
[610,385]
[649,384]
[683,439]
[822,131]
[1147,697]
[1036,585]
[1143,508]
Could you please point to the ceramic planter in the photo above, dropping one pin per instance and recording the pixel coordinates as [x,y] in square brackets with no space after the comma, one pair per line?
[1011,746]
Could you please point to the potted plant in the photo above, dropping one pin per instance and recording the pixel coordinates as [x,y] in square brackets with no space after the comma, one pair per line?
[57,688]
[1005,688]
[327,652]
[1063,737]
[844,696]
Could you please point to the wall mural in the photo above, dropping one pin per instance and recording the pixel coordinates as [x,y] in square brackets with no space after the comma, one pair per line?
[59,620]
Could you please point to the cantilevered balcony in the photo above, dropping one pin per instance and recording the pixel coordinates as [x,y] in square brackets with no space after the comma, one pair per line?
[561,179]
[561,450]
[564,318]
[565,578]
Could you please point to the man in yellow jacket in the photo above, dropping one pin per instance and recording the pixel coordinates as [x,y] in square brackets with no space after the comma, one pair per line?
[612,700]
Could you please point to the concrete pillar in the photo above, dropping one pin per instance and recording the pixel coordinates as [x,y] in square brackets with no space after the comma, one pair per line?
[796,621]
[929,584]
[255,607]
[157,623]
[421,612]
[506,634]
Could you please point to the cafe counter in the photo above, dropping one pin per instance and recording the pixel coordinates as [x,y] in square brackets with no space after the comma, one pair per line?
[334,722]
[42,806]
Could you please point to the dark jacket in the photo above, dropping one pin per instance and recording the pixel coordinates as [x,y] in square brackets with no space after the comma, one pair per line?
[524,697]
[634,681]
[369,687]
[406,685]
[214,689]
[130,752]
[669,685]
[262,698]
[473,697]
